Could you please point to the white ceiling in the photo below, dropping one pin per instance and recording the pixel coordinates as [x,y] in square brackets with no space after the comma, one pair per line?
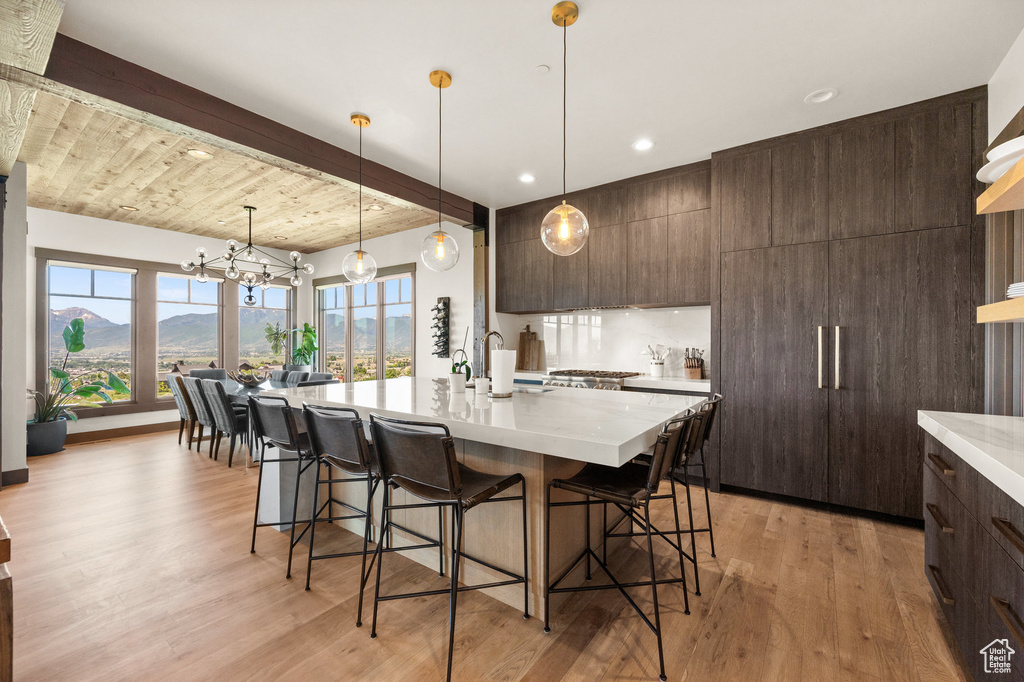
[696,76]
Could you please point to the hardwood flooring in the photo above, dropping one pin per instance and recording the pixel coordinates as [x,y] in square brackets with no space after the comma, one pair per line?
[131,561]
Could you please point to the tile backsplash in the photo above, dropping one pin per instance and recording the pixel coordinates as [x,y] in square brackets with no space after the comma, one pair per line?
[614,339]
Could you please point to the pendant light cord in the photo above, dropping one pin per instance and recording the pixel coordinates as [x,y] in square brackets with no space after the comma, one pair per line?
[565,33]
[440,120]
[360,186]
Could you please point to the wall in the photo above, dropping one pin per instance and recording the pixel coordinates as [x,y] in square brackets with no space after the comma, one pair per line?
[1006,89]
[67,232]
[15,369]
[457,283]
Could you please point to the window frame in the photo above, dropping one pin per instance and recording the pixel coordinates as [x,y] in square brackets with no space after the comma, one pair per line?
[289,308]
[219,305]
[144,326]
[383,275]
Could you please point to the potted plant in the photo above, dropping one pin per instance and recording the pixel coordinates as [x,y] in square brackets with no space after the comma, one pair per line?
[276,337]
[461,371]
[48,429]
[304,350]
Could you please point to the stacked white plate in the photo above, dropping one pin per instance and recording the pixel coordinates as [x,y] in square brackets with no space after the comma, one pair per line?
[1015,290]
[1002,159]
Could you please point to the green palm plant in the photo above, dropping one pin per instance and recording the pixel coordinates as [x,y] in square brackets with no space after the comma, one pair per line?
[52,403]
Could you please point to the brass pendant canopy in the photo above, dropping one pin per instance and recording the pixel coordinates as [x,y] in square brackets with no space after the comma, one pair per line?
[565,13]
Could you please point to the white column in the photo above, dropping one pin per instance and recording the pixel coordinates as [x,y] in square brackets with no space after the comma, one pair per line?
[17,327]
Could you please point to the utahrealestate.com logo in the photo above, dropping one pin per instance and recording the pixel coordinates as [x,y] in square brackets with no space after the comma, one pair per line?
[997,655]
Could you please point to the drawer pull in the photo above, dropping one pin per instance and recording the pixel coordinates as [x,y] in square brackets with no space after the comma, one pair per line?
[939,518]
[1009,532]
[943,467]
[1007,615]
[941,584]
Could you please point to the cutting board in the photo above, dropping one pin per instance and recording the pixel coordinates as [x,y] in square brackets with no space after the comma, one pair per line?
[528,357]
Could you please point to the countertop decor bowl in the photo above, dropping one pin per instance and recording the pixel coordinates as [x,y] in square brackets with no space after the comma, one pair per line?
[250,379]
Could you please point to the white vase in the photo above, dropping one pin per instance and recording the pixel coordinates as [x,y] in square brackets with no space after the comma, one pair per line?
[457,381]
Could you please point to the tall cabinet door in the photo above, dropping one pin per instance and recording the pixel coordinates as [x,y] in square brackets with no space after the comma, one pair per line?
[775,416]
[902,305]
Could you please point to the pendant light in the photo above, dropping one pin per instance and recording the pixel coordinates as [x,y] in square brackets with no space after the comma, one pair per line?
[359,266]
[565,229]
[439,251]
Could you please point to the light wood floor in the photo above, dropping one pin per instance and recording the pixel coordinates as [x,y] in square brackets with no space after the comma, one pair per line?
[131,561]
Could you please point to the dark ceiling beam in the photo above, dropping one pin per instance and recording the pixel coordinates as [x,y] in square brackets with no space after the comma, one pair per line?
[98,79]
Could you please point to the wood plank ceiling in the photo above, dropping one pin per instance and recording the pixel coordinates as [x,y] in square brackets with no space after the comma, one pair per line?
[88,162]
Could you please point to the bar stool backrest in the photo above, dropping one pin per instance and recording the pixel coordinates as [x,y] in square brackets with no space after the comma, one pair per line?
[666,449]
[195,391]
[337,433]
[296,377]
[179,381]
[208,374]
[179,401]
[220,406]
[418,456]
[278,374]
[710,411]
[274,422]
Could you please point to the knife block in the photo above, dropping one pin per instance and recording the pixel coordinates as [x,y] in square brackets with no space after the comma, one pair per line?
[694,372]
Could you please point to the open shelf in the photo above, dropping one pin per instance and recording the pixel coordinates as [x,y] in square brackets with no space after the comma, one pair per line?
[1011,310]
[1006,193]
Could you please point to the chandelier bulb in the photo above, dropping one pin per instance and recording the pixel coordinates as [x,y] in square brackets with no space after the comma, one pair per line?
[232,245]
[308,268]
[296,281]
[201,253]
[188,266]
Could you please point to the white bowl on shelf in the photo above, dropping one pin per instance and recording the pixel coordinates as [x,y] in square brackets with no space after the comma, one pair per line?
[1002,159]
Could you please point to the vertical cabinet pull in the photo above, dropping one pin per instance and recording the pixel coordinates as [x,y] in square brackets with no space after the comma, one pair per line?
[939,518]
[837,357]
[821,360]
[941,464]
[941,585]
[1007,615]
[1010,532]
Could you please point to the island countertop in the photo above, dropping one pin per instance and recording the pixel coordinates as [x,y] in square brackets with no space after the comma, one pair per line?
[602,427]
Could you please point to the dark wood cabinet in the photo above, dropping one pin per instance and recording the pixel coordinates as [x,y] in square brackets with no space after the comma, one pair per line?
[799,197]
[608,266]
[861,191]
[902,305]
[775,417]
[691,251]
[933,156]
[745,181]
[570,277]
[647,251]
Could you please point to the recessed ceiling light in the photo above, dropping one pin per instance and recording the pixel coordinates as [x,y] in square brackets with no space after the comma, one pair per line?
[376,207]
[526,177]
[281,237]
[129,208]
[821,96]
[543,68]
[643,144]
[200,154]
[222,222]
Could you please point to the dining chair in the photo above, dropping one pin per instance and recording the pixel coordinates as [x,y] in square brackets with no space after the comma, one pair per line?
[202,408]
[227,419]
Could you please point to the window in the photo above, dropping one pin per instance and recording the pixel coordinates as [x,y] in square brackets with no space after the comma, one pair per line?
[271,309]
[367,330]
[103,298]
[188,324]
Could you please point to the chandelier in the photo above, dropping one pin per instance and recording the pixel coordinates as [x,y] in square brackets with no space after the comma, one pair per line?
[250,265]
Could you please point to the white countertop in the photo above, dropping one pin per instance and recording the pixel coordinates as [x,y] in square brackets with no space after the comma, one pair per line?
[991,444]
[603,427]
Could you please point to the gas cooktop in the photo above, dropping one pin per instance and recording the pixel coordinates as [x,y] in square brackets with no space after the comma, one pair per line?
[592,373]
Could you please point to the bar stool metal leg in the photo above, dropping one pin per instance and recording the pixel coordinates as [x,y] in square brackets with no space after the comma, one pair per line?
[707,501]
[547,561]
[526,562]
[654,591]
[385,526]
[312,521]
[693,534]
[295,511]
[456,560]
[679,546]
[255,514]
[371,488]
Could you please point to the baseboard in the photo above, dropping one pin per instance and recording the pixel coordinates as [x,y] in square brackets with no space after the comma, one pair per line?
[14,477]
[826,506]
[107,434]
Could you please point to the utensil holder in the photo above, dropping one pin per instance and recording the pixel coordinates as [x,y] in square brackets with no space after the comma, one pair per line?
[657,368]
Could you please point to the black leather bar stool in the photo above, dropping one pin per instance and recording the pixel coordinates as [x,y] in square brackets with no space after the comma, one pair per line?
[709,410]
[275,423]
[629,487]
[339,443]
[419,457]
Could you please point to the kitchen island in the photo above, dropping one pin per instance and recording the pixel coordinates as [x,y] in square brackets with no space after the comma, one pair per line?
[540,432]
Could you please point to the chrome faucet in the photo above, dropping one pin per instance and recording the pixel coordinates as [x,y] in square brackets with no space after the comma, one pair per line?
[483,350]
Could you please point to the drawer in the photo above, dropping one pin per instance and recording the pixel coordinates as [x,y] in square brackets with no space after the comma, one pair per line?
[1003,518]
[1001,605]
[960,612]
[951,532]
[960,478]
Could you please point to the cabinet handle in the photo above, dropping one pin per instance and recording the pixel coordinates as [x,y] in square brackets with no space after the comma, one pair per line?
[941,464]
[1007,615]
[941,584]
[939,518]
[821,353]
[1009,532]
[837,357]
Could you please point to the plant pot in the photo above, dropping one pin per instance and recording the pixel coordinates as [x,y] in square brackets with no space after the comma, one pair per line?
[298,368]
[45,438]
[457,382]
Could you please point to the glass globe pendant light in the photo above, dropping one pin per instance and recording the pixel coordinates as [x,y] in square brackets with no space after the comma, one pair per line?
[564,229]
[359,266]
[439,251]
